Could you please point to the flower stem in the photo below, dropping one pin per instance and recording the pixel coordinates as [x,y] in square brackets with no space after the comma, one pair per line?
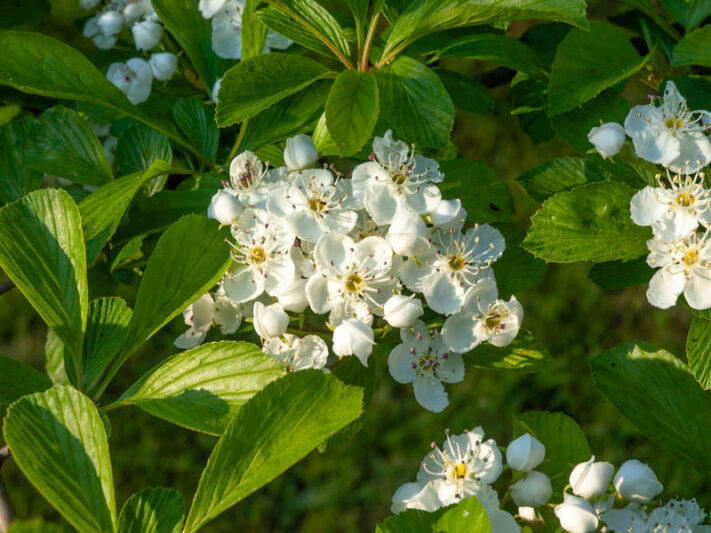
[363,64]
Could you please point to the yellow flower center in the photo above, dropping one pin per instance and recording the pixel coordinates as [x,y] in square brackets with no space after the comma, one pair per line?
[456,262]
[399,177]
[257,256]
[355,283]
[459,471]
[673,123]
[316,204]
[685,199]
[691,257]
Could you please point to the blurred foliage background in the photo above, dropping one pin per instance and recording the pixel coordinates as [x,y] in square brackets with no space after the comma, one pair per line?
[349,487]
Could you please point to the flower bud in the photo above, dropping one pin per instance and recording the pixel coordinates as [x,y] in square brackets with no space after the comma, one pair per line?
[224,207]
[402,311]
[528,514]
[110,23]
[525,453]
[607,138]
[636,482]
[408,234]
[269,321]
[132,11]
[590,479]
[134,78]
[300,152]
[146,34]
[163,65]
[576,515]
[353,337]
[533,490]
[502,522]
[208,8]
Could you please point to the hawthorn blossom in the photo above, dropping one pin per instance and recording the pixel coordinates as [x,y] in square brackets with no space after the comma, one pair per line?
[297,353]
[134,78]
[353,337]
[205,311]
[163,65]
[607,138]
[250,180]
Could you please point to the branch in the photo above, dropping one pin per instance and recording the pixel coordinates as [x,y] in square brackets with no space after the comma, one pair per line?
[6,286]
[6,515]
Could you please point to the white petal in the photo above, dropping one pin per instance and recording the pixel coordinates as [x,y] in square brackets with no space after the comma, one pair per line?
[676,227]
[306,225]
[698,289]
[442,293]
[694,153]
[362,176]
[659,147]
[645,206]
[333,252]
[317,294]
[339,220]
[413,274]
[641,118]
[665,288]
[244,286]
[191,338]
[380,202]
[281,272]
[430,393]
[480,296]
[400,363]
[374,254]
[459,333]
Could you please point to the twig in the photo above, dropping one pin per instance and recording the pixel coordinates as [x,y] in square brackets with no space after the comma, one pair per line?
[6,515]
[6,286]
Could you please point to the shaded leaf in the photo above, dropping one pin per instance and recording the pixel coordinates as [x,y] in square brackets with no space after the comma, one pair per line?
[18,379]
[16,177]
[196,121]
[352,110]
[466,93]
[621,274]
[694,48]
[155,510]
[525,354]
[698,351]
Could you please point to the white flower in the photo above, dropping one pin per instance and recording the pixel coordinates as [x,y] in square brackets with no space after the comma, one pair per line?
[136,9]
[532,490]
[676,516]
[353,337]
[274,40]
[528,514]
[134,78]
[163,65]
[502,522]
[576,515]
[607,138]
[408,234]
[92,30]
[395,180]
[146,34]
[673,211]
[483,318]
[110,23]
[670,134]
[421,496]
[636,482]
[226,314]
[224,207]
[525,453]
[590,479]
[300,152]
[208,8]
[627,520]
[215,90]
[449,214]
[293,298]
[425,362]
[460,259]
[269,321]
[227,29]
[402,311]
[198,316]
[684,266]
[249,179]
[261,255]
[298,353]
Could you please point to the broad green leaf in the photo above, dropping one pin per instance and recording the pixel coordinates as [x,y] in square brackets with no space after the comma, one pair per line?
[589,223]
[255,84]
[415,103]
[58,440]
[322,138]
[16,177]
[102,210]
[42,251]
[565,443]
[656,392]
[543,39]
[466,93]
[194,34]
[516,270]
[525,354]
[468,516]
[352,110]
[197,123]
[155,510]
[54,360]
[698,351]
[253,35]
[694,48]
[38,64]
[139,147]
[588,62]
[497,49]
[18,379]
[621,274]
[484,195]
[283,24]
[202,389]
[63,144]
[37,525]
[260,442]
[689,12]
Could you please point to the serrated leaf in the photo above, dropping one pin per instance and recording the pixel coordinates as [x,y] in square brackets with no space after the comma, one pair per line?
[260,443]
[202,389]
[352,110]
[256,84]
[657,393]
[197,123]
[284,25]
[17,177]
[63,144]
[694,48]
[698,351]
[689,12]
[18,379]
[253,34]
[621,274]
[589,223]
[467,516]
[58,440]
[525,354]
[466,93]
[588,62]
[139,147]
[155,510]
[42,251]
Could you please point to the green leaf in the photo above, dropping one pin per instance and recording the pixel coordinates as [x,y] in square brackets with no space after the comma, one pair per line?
[260,443]
[516,270]
[37,525]
[497,49]
[589,223]
[588,62]
[139,147]
[525,354]
[255,84]
[58,440]
[656,392]
[322,138]
[621,274]
[694,49]
[42,251]
[102,210]
[466,93]
[253,35]
[415,103]
[484,195]
[698,351]
[196,121]
[38,64]
[352,110]
[194,34]
[54,359]
[468,516]
[202,389]
[689,12]
[18,379]
[155,510]
[16,177]
[283,24]
[63,144]
[565,443]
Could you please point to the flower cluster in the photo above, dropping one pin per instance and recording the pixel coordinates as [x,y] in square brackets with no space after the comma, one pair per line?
[376,252]
[678,209]
[137,19]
